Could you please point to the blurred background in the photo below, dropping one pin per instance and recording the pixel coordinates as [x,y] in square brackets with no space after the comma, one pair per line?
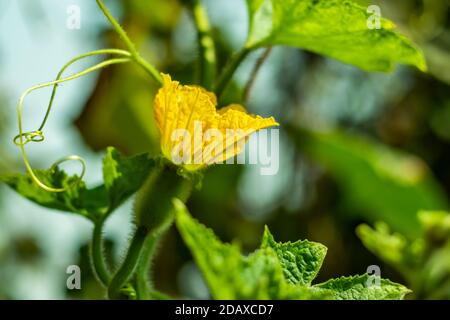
[356,147]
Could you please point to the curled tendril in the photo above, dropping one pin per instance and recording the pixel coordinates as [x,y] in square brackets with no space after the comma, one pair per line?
[34,136]
[71,158]
[38,136]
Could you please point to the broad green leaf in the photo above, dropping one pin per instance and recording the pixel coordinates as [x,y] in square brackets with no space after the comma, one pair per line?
[335,28]
[231,275]
[260,275]
[77,199]
[301,260]
[376,181]
[364,287]
[122,177]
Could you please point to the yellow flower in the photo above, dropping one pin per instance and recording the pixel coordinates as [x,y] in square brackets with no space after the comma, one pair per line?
[193,133]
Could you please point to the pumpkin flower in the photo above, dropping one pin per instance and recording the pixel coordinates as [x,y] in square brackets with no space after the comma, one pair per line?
[193,133]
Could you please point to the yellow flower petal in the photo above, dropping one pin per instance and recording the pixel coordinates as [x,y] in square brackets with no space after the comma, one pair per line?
[213,136]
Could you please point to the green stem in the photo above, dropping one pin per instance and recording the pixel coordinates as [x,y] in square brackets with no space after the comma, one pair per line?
[130,45]
[143,284]
[207,51]
[98,261]
[125,272]
[117,27]
[153,209]
[229,70]
[149,68]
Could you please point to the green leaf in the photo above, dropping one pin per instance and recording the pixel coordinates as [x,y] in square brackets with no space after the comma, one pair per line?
[77,199]
[262,274]
[364,287]
[334,28]
[230,275]
[123,176]
[367,171]
[301,260]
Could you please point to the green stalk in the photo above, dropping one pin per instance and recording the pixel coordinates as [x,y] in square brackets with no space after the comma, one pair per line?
[207,50]
[154,214]
[123,275]
[229,70]
[154,210]
[98,262]
[130,45]
[143,283]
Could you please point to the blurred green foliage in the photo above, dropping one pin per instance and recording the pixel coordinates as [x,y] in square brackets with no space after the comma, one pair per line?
[423,261]
[381,183]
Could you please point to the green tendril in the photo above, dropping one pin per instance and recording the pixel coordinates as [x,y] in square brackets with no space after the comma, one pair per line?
[38,135]
[89,54]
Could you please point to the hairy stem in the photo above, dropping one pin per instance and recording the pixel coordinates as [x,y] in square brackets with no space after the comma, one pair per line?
[207,51]
[143,283]
[125,272]
[130,45]
[153,209]
[98,262]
